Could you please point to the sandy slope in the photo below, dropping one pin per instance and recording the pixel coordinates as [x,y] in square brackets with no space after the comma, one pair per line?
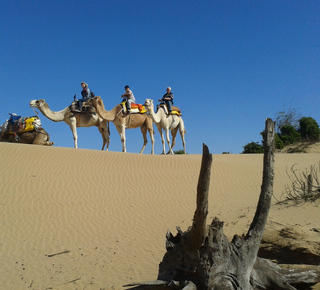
[105,214]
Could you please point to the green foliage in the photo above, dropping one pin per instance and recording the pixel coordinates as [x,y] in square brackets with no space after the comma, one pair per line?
[278,142]
[309,128]
[289,135]
[179,152]
[290,130]
[253,147]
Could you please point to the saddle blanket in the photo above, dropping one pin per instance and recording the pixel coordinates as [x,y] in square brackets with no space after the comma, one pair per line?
[135,108]
[19,124]
[174,110]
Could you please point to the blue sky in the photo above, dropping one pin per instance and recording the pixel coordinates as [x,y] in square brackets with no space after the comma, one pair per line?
[230,64]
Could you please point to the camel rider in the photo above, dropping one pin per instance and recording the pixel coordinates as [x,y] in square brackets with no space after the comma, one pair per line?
[85,93]
[128,95]
[168,99]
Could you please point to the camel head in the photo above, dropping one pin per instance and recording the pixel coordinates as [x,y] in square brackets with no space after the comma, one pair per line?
[148,104]
[95,102]
[37,103]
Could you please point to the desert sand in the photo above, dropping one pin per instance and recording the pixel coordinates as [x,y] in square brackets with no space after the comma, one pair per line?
[87,219]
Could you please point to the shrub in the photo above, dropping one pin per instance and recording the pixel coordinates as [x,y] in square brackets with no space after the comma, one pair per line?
[309,128]
[179,152]
[304,186]
[279,143]
[253,147]
[289,135]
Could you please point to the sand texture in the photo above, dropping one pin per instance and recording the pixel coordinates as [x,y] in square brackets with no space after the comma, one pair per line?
[87,219]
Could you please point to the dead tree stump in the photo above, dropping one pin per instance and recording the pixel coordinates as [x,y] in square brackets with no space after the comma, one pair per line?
[203,258]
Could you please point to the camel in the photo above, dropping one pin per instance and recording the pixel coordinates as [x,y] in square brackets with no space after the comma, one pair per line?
[123,121]
[74,120]
[37,137]
[167,122]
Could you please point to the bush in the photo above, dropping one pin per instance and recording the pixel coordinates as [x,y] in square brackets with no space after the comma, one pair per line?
[253,147]
[309,128]
[179,151]
[279,143]
[304,185]
[289,135]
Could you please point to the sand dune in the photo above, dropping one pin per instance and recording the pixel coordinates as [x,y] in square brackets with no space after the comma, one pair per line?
[86,219]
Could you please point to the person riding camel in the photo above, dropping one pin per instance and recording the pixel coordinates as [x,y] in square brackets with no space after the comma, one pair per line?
[168,99]
[85,93]
[129,97]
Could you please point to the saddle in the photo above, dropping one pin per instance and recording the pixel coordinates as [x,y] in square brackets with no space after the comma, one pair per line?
[17,124]
[86,109]
[174,110]
[135,108]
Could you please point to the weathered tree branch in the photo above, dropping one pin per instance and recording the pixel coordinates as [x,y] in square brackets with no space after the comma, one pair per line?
[260,219]
[198,231]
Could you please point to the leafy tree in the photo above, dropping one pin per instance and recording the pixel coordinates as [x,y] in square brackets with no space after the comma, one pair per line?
[253,147]
[289,135]
[309,128]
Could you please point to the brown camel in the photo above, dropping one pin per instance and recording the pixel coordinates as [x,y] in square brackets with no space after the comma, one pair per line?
[123,121]
[74,120]
[37,137]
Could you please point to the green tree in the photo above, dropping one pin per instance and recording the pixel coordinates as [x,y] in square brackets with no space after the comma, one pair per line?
[289,135]
[309,128]
[253,147]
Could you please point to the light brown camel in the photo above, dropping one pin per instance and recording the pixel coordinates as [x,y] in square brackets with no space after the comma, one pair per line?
[167,122]
[75,120]
[37,137]
[124,121]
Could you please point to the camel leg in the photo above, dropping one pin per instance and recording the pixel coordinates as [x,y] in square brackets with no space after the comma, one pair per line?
[152,140]
[73,127]
[39,139]
[162,140]
[105,135]
[144,135]
[182,132]
[173,134]
[122,132]
[149,125]
[168,140]
[42,139]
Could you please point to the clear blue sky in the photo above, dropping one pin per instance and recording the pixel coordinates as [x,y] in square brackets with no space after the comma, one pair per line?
[230,64]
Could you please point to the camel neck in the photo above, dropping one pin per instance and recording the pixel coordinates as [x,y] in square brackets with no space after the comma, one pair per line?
[52,115]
